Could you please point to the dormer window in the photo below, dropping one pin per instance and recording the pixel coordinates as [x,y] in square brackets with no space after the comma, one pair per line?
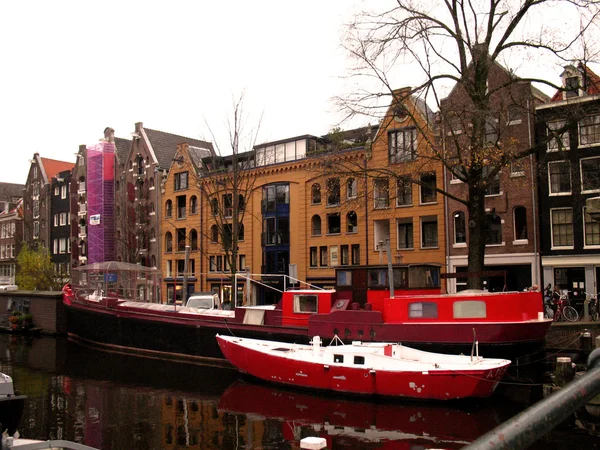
[571,87]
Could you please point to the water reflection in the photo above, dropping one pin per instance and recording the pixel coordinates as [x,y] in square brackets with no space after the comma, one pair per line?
[114,401]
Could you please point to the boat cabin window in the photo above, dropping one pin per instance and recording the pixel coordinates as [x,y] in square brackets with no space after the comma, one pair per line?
[469,309]
[424,277]
[427,310]
[344,278]
[378,278]
[305,303]
[359,360]
[338,358]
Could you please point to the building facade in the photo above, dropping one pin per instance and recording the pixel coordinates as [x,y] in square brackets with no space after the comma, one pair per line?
[511,223]
[568,135]
[60,226]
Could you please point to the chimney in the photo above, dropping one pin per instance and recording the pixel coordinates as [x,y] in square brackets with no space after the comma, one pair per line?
[109,134]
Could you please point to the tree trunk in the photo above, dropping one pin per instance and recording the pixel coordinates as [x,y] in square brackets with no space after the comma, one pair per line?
[477,237]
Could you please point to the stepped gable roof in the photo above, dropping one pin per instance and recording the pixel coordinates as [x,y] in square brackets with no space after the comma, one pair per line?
[53,167]
[9,191]
[165,145]
[591,82]
[122,147]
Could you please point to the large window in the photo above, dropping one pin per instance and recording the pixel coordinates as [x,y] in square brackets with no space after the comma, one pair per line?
[351,222]
[562,227]
[334,223]
[591,230]
[520,222]
[381,193]
[460,229]
[181,181]
[194,205]
[493,229]
[323,256]
[314,257]
[333,191]
[169,208]
[405,233]
[168,242]
[404,189]
[351,188]
[316,225]
[227,205]
[181,201]
[493,183]
[559,177]
[428,188]
[403,145]
[557,141]
[590,174]
[315,194]
[429,232]
[589,130]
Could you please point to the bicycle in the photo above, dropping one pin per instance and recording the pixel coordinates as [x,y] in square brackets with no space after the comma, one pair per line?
[593,309]
[564,310]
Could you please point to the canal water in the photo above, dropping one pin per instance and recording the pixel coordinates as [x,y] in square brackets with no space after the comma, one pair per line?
[115,401]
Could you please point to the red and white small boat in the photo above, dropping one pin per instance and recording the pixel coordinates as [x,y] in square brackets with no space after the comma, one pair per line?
[373,368]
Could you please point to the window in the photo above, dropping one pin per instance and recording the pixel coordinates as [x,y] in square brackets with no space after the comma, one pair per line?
[323,256]
[212,260]
[334,223]
[313,257]
[140,164]
[514,115]
[181,202]
[316,225]
[63,218]
[181,181]
[562,227]
[469,309]
[492,183]
[62,245]
[493,229]
[359,360]
[428,188]
[194,205]
[491,131]
[556,141]
[405,233]
[194,240]
[333,191]
[168,242]
[520,218]
[351,222]
[181,239]
[404,187]
[169,208]
[345,255]
[55,224]
[36,229]
[591,230]
[559,177]
[56,190]
[63,191]
[228,205]
[421,310]
[517,167]
[355,254]
[589,130]
[590,174]
[402,145]
[316,194]
[429,232]
[305,303]
[571,87]
[241,203]
[381,193]
[460,229]
[351,188]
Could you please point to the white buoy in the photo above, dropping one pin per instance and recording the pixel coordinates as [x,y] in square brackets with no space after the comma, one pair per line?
[313,443]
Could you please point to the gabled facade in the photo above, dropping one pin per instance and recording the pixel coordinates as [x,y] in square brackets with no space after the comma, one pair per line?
[511,225]
[181,222]
[36,199]
[11,239]
[568,136]
[139,195]
[60,224]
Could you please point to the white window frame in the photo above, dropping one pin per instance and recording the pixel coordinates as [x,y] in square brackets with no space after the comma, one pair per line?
[587,191]
[596,119]
[585,245]
[553,143]
[556,194]
[552,229]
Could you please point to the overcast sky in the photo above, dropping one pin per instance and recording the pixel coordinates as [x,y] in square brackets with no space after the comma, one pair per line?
[72,68]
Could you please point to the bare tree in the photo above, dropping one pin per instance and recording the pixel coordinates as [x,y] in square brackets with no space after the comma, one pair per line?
[227,188]
[460,45]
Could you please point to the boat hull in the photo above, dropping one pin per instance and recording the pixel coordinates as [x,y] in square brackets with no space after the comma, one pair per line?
[426,385]
[11,409]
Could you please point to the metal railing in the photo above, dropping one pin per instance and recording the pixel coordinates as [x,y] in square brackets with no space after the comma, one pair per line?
[530,425]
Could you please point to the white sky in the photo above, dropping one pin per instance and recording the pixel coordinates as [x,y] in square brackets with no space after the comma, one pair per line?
[72,68]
